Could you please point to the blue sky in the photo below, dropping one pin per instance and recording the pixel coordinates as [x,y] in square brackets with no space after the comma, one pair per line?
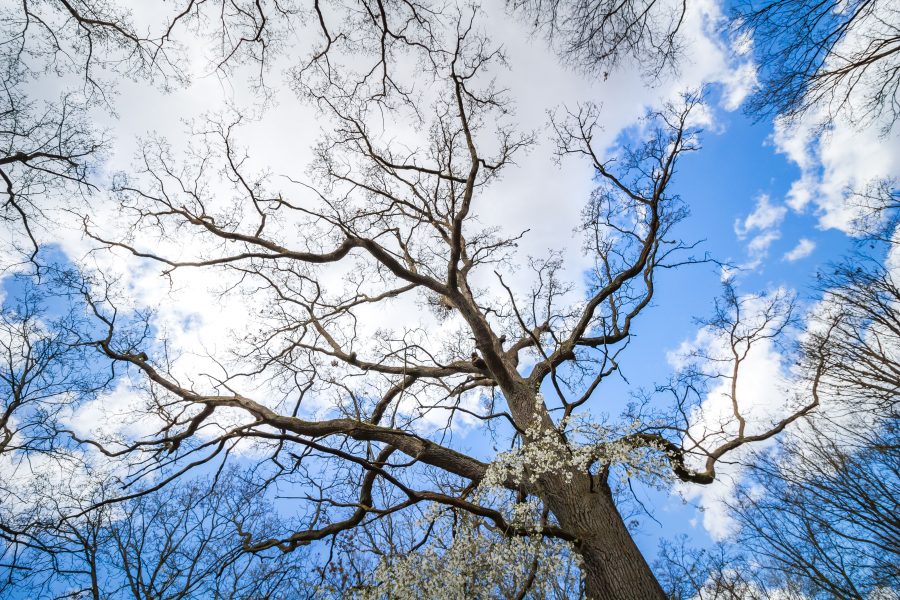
[741,189]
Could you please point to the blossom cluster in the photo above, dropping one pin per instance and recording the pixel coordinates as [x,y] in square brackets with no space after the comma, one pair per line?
[471,561]
[575,447]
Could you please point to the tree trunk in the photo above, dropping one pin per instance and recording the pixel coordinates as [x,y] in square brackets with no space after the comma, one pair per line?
[614,568]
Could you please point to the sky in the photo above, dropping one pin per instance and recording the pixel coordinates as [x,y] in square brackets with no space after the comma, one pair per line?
[764,198]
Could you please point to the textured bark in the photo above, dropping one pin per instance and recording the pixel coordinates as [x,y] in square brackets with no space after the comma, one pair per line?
[614,568]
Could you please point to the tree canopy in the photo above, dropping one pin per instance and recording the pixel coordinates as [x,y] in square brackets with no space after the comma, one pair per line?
[318,447]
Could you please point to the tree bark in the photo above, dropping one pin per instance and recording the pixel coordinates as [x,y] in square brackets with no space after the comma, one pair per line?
[613,567]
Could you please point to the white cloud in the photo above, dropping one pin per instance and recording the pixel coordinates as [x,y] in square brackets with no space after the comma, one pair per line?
[763,225]
[855,149]
[759,245]
[803,249]
[764,216]
[739,83]
[118,412]
[833,165]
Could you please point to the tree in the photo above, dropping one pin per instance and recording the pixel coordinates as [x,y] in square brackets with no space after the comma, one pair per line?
[46,152]
[598,35]
[855,336]
[49,146]
[836,57]
[44,373]
[828,520]
[181,543]
[396,221]
[818,520]
[817,513]
[721,573]
[830,57]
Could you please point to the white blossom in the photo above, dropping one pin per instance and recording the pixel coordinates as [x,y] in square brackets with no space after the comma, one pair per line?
[476,563]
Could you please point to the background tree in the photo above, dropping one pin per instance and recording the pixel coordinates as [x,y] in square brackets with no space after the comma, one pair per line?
[828,518]
[598,35]
[818,513]
[828,521]
[181,543]
[50,147]
[720,573]
[44,374]
[827,57]
[818,520]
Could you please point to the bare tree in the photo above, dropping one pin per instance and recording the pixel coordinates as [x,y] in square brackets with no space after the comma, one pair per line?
[178,544]
[856,335]
[37,367]
[876,211]
[818,520]
[720,573]
[829,515]
[49,147]
[47,152]
[44,373]
[740,325]
[818,514]
[598,35]
[825,56]
[401,216]
[831,57]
